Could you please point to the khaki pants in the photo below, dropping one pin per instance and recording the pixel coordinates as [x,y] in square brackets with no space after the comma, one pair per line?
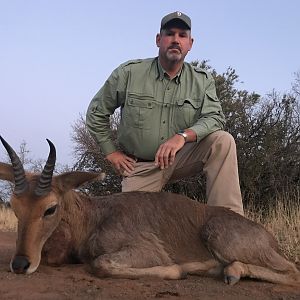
[215,155]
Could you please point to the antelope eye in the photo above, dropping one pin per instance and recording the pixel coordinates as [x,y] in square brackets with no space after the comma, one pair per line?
[50,211]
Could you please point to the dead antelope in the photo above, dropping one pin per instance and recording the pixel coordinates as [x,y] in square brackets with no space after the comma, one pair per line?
[135,234]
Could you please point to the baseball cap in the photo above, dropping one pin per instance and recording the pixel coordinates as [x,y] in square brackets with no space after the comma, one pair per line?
[176,16]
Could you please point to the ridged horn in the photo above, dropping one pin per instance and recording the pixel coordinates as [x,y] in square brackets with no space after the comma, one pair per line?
[21,183]
[44,184]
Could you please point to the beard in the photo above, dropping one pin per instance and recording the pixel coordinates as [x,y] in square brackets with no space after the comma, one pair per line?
[173,56]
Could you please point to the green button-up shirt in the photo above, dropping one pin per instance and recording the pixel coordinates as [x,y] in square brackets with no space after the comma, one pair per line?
[153,107]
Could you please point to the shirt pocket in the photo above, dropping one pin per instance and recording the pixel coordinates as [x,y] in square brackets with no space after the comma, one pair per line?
[212,96]
[211,104]
[138,111]
[187,112]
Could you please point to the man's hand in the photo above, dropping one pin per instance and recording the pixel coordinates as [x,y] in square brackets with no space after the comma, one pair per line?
[166,152]
[122,163]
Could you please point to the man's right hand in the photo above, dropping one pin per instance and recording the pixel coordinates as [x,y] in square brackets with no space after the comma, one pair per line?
[122,163]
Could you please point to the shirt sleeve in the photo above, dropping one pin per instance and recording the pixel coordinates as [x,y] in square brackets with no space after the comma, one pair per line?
[105,102]
[211,118]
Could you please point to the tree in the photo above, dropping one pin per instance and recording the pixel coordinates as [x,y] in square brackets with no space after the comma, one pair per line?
[89,157]
[266,130]
[296,84]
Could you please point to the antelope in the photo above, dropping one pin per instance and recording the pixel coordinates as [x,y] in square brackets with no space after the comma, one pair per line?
[134,234]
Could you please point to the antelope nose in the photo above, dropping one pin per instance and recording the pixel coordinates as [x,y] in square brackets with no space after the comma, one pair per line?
[20,264]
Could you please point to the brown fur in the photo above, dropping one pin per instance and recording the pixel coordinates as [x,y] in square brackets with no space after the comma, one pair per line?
[135,234]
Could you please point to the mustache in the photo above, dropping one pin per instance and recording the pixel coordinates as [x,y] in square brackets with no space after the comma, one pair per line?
[174,47]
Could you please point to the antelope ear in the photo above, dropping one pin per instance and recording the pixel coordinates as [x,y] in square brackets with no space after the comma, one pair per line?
[6,172]
[72,180]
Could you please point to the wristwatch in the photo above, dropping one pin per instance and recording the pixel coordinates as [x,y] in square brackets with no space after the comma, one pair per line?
[182,133]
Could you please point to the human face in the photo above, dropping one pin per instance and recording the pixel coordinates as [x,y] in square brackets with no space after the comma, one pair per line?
[174,44]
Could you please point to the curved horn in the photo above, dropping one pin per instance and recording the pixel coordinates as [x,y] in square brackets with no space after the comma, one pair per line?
[44,183]
[21,183]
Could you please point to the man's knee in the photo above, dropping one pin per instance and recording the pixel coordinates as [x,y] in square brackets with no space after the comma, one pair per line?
[224,137]
[224,141]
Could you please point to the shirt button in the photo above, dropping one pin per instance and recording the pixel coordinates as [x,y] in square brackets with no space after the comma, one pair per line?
[162,138]
[165,105]
[164,121]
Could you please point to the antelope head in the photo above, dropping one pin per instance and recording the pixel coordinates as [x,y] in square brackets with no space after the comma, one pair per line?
[37,202]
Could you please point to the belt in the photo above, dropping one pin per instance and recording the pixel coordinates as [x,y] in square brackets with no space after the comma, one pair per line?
[138,159]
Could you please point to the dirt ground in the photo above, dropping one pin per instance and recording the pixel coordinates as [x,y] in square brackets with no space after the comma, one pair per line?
[73,282]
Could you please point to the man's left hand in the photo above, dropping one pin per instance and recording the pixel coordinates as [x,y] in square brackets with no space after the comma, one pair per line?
[166,152]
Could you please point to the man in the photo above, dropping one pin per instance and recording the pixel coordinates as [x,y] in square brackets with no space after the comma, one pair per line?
[171,121]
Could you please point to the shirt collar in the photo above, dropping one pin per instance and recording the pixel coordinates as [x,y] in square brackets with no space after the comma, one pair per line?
[161,73]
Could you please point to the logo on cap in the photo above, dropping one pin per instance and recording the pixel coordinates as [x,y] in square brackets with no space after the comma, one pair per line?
[178,13]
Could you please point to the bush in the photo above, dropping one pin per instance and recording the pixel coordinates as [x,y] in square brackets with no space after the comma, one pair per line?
[267,134]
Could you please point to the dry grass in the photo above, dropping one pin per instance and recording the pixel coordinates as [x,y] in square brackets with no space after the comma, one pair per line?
[8,220]
[283,222]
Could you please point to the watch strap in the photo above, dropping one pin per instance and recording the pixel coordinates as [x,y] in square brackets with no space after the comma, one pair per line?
[183,134]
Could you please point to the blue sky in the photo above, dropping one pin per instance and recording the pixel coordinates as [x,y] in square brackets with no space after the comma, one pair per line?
[55,55]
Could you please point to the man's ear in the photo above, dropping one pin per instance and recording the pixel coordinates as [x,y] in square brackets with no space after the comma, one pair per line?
[158,40]
[191,43]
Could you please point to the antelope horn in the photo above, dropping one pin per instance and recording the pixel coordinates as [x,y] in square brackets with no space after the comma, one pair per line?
[44,183]
[21,183]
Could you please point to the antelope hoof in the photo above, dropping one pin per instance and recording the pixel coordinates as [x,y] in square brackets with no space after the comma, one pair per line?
[231,280]
[184,275]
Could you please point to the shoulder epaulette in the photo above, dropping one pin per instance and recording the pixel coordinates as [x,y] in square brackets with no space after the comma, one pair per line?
[200,70]
[131,62]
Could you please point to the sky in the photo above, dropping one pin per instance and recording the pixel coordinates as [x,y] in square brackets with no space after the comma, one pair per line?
[55,55]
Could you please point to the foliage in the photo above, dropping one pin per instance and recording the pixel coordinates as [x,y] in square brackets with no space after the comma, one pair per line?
[266,130]
[282,220]
[90,158]
[267,133]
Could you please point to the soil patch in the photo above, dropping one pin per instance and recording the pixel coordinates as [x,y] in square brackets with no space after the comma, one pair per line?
[73,282]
